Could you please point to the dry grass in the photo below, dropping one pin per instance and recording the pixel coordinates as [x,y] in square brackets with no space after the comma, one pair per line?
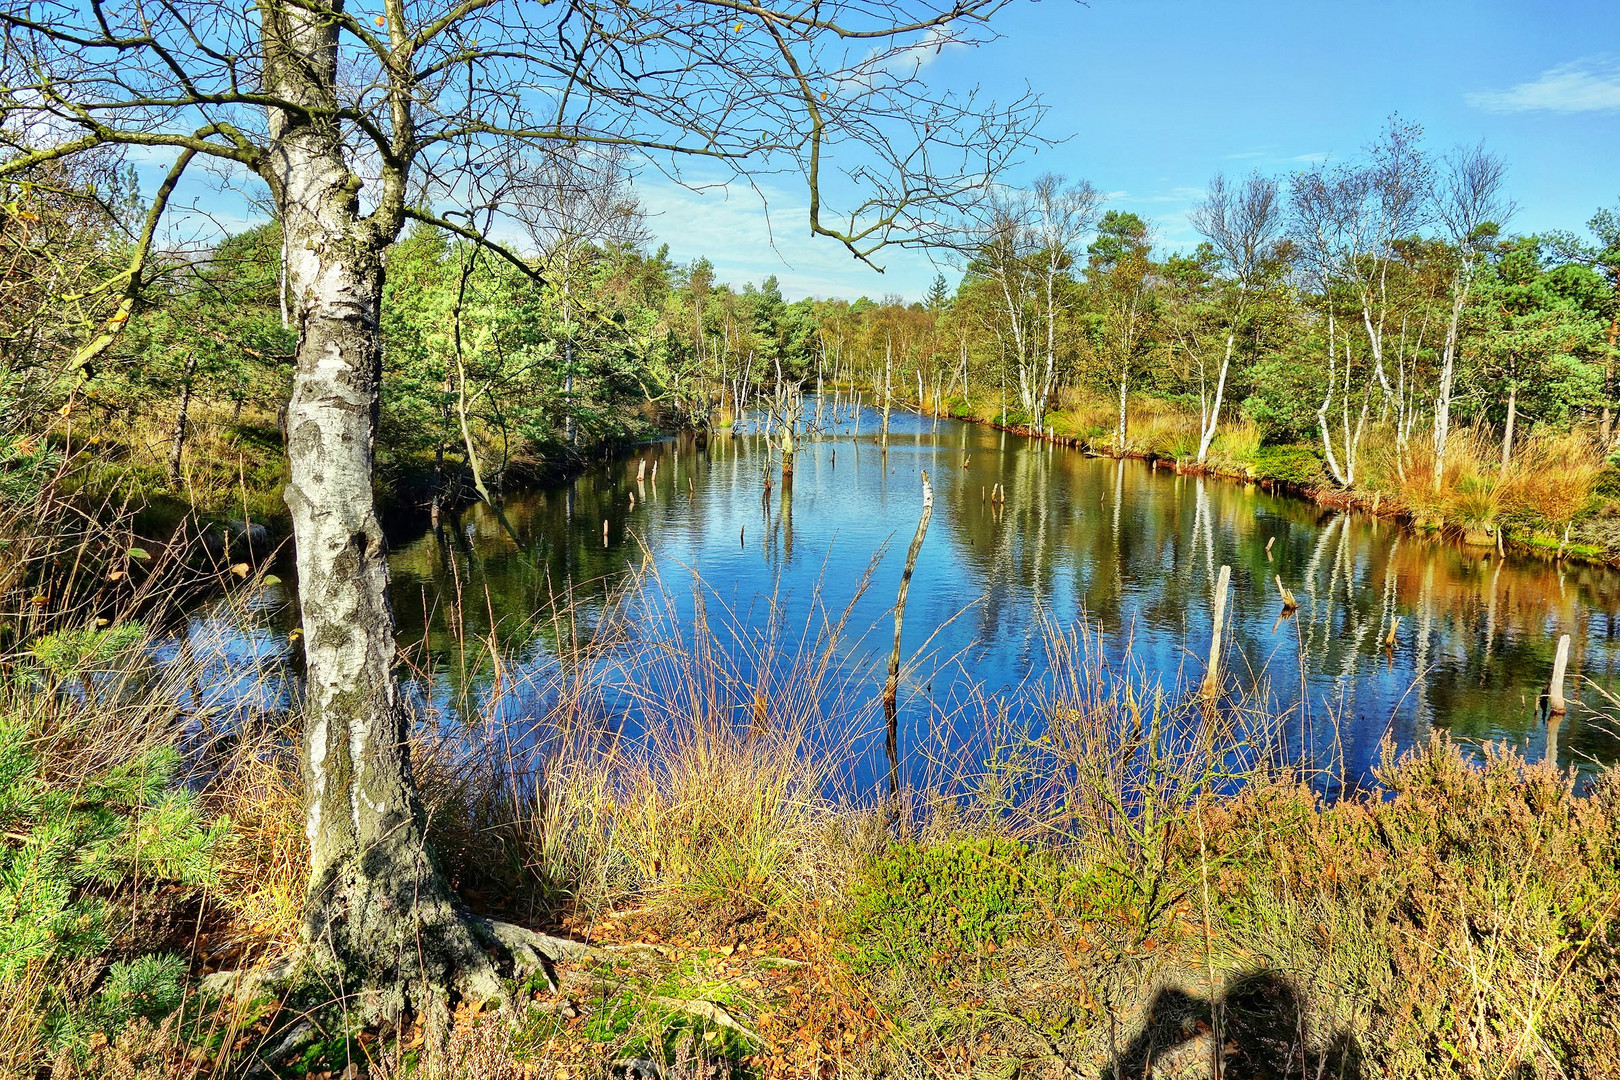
[1548,482]
[1175,886]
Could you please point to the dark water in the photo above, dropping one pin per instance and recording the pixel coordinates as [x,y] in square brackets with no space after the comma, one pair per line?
[1131,549]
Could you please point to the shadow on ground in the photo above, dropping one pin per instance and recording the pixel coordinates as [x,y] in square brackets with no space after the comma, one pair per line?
[1261,1019]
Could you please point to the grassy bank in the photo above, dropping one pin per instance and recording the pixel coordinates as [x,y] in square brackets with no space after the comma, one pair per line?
[1557,494]
[1131,883]
[234,468]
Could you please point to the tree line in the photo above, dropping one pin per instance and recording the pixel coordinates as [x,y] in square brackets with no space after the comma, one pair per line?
[1385,293]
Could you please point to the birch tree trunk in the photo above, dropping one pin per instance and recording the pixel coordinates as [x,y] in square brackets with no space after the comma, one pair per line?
[1448,374]
[376,909]
[1124,385]
[182,420]
[1507,429]
[375,903]
[1607,432]
[1214,419]
[1329,457]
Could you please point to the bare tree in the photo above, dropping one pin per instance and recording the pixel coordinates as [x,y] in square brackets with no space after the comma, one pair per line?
[1063,215]
[1471,207]
[996,239]
[1243,225]
[360,118]
[1024,244]
[574,196]
[1348,221]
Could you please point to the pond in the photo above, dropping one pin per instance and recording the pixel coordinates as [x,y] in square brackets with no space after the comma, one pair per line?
[1131,550]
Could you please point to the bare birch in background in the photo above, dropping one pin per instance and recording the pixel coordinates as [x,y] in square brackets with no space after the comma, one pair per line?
[1348,221]
[1471,207]
[1243,224]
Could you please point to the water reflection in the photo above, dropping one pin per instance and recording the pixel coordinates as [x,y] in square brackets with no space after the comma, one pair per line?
[1134,548]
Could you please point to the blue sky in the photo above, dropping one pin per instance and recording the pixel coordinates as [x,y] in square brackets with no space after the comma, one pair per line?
[1148,98]
[1153,96]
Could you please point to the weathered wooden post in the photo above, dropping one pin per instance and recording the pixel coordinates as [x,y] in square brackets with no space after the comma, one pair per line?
[641,470]
[604,532]
[891,685]
[1290,602]
[1556,705]
[1212,671]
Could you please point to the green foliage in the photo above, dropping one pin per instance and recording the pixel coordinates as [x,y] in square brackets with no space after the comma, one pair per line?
[1291,464]
[927,906]
[81,820]
[149,987]
[1284,392]
[64,837]
[85,649]
[643,1017]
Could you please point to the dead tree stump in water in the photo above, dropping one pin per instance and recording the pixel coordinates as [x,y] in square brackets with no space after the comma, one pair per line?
[1212,672]
[891,685]
[1556,706]
[1289,601]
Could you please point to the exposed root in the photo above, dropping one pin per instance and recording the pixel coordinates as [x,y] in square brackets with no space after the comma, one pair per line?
[466,974]
[531,951]
[711,1012]
[246,984]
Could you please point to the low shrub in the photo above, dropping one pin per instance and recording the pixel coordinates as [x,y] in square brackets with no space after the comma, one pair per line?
[1298,465]
[927,907]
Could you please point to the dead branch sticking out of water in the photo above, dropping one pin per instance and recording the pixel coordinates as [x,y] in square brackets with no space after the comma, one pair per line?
[891,685]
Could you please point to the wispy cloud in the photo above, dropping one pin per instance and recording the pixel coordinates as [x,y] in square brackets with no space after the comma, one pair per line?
[749,240]
[1589,85]
[924,52]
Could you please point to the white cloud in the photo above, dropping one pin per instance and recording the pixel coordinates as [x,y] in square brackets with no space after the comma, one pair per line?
[920,55]
[729,226]
[1589,85]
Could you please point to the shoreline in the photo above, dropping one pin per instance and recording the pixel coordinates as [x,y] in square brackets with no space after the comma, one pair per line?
[1549,549]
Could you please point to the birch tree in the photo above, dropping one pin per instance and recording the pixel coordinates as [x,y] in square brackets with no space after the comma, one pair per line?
[360,117]
[571,198]
[1243,225]
[1349,222]
[1471,207]
[1121,272]
[1063,214]
[997,239]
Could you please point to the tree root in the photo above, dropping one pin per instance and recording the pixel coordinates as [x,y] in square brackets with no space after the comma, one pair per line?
[532,951]
[244,984]
[478,979]
[710,1011]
